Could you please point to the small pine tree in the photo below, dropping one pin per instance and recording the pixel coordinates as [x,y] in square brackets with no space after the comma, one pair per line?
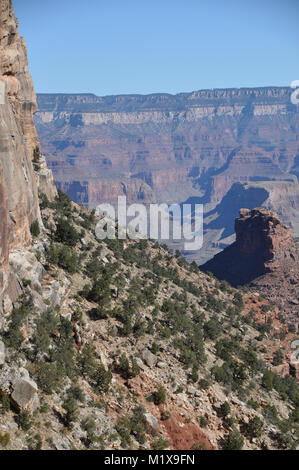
[24,420]
[277,358]
[5,402]
[124,364]
[160,396]
[70,406]
[255,427]
[194,374]
[234,441]
[36,154]
[225,409]
[267,380]
[34,228]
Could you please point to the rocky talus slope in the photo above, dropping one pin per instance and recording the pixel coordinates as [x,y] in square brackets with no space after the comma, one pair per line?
[18,141]
[225,148]
[117,344]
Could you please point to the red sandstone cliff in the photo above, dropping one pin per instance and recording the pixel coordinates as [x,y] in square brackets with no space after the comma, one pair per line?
[18,139]
[264,255]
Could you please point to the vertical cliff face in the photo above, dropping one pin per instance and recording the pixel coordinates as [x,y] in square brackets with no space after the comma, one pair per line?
[261,231]
[18,138]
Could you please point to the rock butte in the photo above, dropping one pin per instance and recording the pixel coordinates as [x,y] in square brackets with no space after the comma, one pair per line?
[265,256]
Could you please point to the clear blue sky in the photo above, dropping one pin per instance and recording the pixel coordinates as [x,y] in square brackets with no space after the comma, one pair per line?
[145,46]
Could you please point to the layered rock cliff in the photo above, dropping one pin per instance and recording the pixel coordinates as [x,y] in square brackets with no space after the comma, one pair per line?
[18,139]
[265,256]
[191,145]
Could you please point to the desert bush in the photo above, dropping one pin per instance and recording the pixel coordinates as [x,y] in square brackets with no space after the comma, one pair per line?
[254,428]
[34,228]
[4,439]
[234,441]
[159,396]
[66,233]
[23,420]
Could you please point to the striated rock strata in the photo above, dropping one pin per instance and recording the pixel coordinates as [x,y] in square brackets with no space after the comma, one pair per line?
[169,149]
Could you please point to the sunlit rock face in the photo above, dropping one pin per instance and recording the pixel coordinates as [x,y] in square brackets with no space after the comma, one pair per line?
[18,138]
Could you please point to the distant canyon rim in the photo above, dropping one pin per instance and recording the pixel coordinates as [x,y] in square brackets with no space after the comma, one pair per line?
[225,148]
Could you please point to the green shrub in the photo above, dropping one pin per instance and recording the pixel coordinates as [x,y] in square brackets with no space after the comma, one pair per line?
[86,361]
[63,256]
[62,203]
[4,439]
[254,404]
[254,428]
[159,395]
[23,420]
[194,374]
[66,233]
[224,409]
[212,328]
[234,441]
[103,378]
[89,425]
[127,370]
[204,384]
[13,337]
[71,411]
[5,402]
[203,422]
[77,393]
[36,154]
[47,376]
[160,444]
[278,358]
[165,415]
[34,228]
[123,428]
[35,442]
[267,380]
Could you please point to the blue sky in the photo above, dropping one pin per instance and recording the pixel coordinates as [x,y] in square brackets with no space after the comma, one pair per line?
[145,46]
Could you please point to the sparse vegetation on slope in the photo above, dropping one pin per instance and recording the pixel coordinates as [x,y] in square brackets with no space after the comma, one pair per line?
[127,343]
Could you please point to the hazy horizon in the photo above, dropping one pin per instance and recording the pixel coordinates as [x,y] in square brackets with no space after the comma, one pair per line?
[163,93]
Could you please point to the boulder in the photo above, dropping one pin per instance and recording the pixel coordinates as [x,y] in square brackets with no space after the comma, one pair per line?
[140,363]
[24,394]
[149,358]
[161,364]
[22,390]
[151,421]
[61,443]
